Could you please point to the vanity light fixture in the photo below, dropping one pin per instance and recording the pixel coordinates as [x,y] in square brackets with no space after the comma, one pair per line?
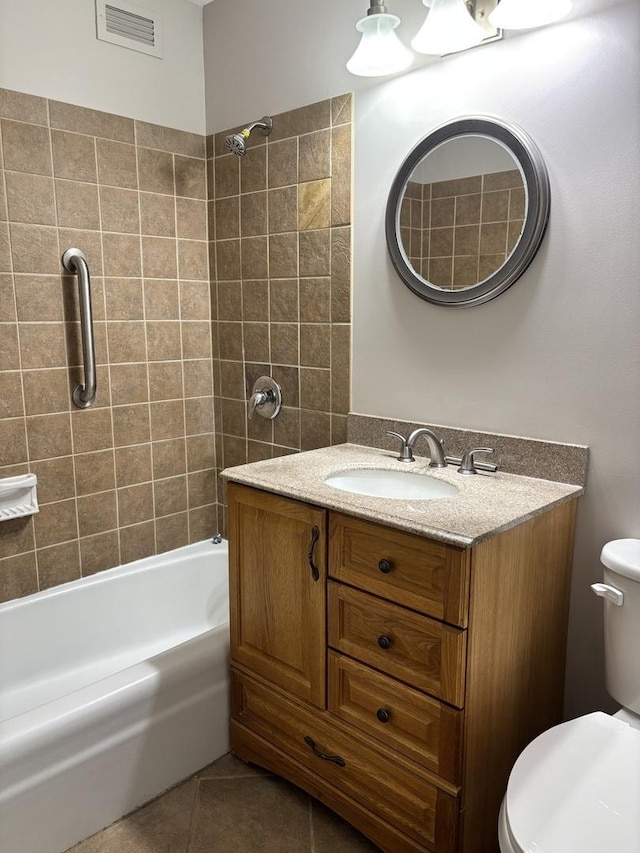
[449,27]
[523,14]
[380,51]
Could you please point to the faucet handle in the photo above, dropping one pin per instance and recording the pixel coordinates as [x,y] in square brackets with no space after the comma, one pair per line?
[405,453]
[467,465]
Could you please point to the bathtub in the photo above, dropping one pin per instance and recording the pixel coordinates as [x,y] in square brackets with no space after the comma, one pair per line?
[112,689]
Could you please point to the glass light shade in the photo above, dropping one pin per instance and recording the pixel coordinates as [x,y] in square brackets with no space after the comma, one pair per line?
[523,14]
[380,51]
[448,28]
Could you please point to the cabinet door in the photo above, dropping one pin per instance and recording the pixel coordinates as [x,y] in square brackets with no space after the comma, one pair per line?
[277,586]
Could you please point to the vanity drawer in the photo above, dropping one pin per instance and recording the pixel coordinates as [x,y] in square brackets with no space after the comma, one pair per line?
[428,576]
[419,727]
[387,787]
[419,651]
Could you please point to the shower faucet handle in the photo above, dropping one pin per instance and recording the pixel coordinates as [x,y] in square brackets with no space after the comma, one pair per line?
[266,398]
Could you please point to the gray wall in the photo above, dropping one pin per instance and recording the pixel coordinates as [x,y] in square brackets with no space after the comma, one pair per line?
[555,357]
[50,49]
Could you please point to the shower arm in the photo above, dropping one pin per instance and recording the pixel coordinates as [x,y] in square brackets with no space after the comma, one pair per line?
[265,123]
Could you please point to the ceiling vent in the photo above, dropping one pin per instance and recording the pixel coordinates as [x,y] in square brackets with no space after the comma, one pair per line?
[129,25]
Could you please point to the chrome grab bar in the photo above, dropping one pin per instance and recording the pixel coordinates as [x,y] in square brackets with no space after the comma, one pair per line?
[75,262]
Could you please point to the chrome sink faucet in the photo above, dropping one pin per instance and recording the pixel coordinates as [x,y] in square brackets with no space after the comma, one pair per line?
[436,451]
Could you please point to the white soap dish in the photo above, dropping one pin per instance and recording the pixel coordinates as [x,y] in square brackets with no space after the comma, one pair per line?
[18,496]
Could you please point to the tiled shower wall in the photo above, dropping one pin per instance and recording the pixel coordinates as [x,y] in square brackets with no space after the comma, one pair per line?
[280,233]
[134,475]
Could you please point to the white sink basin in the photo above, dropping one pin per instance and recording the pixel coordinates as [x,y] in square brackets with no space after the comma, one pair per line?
[402,485]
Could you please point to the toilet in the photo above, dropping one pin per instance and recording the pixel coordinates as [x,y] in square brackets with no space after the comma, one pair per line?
[576,787]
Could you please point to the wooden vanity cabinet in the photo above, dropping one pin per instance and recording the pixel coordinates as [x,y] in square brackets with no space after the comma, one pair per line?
[393,677]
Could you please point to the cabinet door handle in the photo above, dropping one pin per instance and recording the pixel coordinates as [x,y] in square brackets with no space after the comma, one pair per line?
[334,758]
[383,715]
[384,642]
[315,535]
[385,566]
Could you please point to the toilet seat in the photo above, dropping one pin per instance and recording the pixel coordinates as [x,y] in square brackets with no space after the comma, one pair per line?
[576,789]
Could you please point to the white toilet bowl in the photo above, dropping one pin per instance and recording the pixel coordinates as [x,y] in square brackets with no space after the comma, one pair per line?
[575,789]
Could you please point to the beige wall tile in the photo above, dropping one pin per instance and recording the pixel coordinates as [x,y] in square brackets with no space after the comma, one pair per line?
[5,250]
[97,513]
[283,255]
[315,156]
[9,349]
[58,564]
[283,209]
[135,504]
[56,522]
[255,257]
[283,163]
[315,345]
[315,253]
[127,342]
[169,458]
[283,301]
[253,214]
[170,496]
[30,199]
[49,436]
[155,171]
[7,303]
[227,176]
[39,298]
[19,576]
[11,401]
[341,145]
[122,255]
[253,170]
[46,391]
[116,164]
[131,424]
[195,300]
[169,139]
[92,430]
[74,156]
[133,464]
[159,257]
[157,215]
[119,210]
[172,532]
[193,260]
[227,217]
[13,443]
[93,122]
[137,541]
[199,415]
[161,299]
[315,429]
[124,300]
[17,105]
[163,341]
[77,205]
[34,249]
[95,472]
[99,552]
[191,215]
[165,380]
[314,205]
[17,537]
[129,384]
[26,148]
[190,177]
[56,481]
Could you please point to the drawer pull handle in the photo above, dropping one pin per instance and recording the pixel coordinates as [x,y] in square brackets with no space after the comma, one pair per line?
[383,715]
[385,566]
[315,535]
[334,758]
[384,642]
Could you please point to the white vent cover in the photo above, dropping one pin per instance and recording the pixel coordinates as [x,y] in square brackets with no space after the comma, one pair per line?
[129,25]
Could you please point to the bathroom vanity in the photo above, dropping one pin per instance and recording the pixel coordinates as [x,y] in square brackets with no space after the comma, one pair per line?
[393,657]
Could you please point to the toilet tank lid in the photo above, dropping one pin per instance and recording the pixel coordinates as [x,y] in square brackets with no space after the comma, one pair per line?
[623,556]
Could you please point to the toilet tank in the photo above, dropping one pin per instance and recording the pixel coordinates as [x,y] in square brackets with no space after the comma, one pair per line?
[621,560]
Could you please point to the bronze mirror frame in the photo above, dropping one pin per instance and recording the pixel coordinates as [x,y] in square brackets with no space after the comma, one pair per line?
[537,195]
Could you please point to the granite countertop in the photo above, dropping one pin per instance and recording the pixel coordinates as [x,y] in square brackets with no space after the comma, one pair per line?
[486,504]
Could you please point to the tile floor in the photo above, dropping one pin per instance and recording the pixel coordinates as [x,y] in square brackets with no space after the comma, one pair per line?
[230,807]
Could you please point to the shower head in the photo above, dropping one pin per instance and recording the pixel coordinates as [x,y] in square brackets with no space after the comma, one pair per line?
[237,142]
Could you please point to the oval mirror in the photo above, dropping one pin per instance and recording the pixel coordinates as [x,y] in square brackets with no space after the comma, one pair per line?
[467,211]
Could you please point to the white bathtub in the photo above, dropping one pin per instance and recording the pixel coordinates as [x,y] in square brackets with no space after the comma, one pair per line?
[112,689]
